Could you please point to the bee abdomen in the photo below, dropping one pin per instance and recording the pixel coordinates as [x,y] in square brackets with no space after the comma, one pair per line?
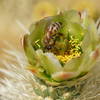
[54,27]
[50,33]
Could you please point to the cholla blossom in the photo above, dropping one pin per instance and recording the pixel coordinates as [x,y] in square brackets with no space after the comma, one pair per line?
[62,48]
[67,71]
[17,83]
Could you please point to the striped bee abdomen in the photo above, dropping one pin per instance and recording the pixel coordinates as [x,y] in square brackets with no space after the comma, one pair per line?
[51,32]
[54,27]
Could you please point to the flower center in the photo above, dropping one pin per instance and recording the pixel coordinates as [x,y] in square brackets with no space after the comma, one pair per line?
[73,51]
[64,47]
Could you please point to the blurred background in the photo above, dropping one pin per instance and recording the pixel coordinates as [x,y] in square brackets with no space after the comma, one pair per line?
[29,11]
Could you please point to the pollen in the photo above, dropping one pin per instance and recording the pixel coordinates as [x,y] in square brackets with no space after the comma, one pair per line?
[74,51]
[66,58]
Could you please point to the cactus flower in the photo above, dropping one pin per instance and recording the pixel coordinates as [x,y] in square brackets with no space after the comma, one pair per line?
[62,48]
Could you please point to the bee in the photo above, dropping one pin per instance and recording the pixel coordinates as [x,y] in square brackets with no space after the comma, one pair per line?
[51,31]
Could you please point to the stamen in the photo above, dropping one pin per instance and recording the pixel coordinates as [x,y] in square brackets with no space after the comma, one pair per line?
[74,51]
